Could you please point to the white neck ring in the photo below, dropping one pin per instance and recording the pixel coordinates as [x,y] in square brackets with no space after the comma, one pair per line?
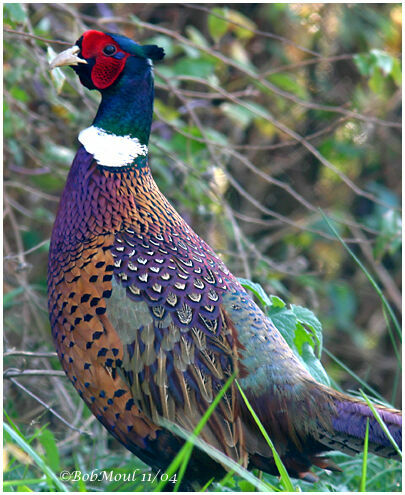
[110,150]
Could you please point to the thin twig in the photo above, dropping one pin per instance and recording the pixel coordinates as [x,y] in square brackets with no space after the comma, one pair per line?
[229,96]
[274,214]
[29,251]
[35,37]
[31,354]
[310,61]
[11,372]
[32,190]
[238,239]
[48,408]
[392,290]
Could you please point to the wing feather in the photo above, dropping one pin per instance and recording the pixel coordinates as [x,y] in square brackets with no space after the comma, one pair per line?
[178,347]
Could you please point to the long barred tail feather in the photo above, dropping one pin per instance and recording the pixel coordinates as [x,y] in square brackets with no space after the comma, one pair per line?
[349,428]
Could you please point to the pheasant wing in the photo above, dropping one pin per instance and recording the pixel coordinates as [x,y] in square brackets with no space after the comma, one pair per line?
[179,348]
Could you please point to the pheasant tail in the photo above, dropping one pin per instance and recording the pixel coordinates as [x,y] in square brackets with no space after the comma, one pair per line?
[349,428]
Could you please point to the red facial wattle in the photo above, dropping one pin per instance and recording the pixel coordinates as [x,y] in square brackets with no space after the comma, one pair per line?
[107,68]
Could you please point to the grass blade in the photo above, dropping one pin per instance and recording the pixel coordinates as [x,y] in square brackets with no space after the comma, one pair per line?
[185,452]
[220,457]
[353,375]
[363,478]
[385,303]
[381,423]
[20,441]
[285,479]
[34,481]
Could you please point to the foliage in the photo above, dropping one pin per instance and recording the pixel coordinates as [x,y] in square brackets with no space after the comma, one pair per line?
[264,114]
[299,326]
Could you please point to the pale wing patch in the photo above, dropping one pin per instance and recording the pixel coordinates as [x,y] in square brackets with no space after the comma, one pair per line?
[126,317]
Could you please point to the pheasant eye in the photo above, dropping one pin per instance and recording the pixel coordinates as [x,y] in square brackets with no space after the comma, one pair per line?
[109,50]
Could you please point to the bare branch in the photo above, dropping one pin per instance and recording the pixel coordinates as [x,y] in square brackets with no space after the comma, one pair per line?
[31,354]
[11,372]
[35,37]
[48,408]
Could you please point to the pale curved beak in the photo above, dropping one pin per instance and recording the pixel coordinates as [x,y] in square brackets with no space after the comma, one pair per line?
[68,57]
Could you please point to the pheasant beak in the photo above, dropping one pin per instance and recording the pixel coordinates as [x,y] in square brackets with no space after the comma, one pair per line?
[68,57]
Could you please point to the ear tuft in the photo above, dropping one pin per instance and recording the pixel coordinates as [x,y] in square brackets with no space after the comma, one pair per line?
[153,52]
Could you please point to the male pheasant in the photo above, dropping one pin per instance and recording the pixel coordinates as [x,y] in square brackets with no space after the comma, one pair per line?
[148,322]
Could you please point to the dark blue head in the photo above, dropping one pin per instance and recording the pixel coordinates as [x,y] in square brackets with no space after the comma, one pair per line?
[109,55]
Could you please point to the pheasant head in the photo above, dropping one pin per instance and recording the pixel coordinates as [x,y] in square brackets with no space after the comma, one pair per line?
[121,70]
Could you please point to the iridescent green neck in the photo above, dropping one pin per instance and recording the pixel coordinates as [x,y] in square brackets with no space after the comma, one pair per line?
[126,108]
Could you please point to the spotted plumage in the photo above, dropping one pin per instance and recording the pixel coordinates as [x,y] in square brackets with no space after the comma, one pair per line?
[148,322]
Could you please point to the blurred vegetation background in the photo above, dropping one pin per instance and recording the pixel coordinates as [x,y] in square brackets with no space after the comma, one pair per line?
[264,114]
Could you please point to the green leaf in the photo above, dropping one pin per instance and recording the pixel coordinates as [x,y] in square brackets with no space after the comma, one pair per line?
[15,12]
[363,63]
[217,27]
[15,149]
[308,319]
[167,112]
[185,145]
[240,116]
[240,20]
[294,330]
[9,299]
[47,440]
[378,65]
[299,326]
[396,72]
[313,364]
[245,486]
[277,302]
[164,42]
[214,135]
[59,154]
[257,290]
[377,82]
[196,36]
[383,61]
[200,67]
[243,116]
[389,238]
[289,83]
[285,321]
[19,94]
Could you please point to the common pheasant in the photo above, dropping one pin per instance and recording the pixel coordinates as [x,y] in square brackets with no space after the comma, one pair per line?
[148,322]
